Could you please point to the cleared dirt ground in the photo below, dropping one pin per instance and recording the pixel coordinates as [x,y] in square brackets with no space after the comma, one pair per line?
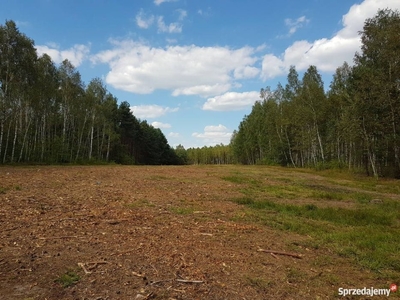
[139,232]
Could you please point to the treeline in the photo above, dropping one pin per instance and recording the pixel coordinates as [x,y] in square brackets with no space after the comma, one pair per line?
[355,124]
[219,154]
[48,115]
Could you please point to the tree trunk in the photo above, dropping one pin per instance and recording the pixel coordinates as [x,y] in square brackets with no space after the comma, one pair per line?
[91,138]
[1,134]
[43,138]
[290,149]
[80,138]
[108,148]
[24,140]
[6,148]
[14,141]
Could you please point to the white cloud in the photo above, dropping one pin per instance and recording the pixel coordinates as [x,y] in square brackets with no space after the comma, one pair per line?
[182,14]
[151,111]
[185,70]
[231,101]
[327,53]
[158,2]
[272,66]
[76,54]
[214,135]
[171,28]
[144,21]
[174,134]
[293,25]
[245,72]
[160,125]
[202,90]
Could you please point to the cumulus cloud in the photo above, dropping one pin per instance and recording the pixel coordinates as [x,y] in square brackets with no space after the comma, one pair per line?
[231,101]
[151,111]
[144,21]
[76,54]
[327,53]
[214,135]
[160,125]
[184,70]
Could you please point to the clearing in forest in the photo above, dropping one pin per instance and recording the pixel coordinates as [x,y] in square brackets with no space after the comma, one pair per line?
[194,232]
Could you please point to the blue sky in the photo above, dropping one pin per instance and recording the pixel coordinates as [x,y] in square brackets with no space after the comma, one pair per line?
[194,68]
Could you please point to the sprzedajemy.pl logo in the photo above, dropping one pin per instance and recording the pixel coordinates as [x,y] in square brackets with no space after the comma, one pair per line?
[368,291]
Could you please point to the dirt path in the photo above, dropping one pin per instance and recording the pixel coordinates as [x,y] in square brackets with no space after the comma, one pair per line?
[149,233]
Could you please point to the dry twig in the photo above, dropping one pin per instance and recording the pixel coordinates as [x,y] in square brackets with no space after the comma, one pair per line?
[138,274]
[274,256]
[82,265]
[189,281]
[280,253]
[90,266]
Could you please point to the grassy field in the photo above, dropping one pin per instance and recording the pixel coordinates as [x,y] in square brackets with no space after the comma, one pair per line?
[356,216]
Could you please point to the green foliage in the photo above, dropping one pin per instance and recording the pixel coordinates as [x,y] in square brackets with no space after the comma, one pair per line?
[47,115]
[219,154]
[68,279]
[259,283]
[355,125]
[3,190]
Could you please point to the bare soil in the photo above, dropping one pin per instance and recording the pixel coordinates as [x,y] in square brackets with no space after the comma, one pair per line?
[139,232]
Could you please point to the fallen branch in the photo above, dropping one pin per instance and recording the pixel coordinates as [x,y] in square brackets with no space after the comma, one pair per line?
[207,234]
[189,281]
[90,266]
[280,253]
[138,274]
[274,256]
[82,265]
[148,296]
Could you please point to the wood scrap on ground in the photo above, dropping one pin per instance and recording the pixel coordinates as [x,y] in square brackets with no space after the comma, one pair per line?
[280,253]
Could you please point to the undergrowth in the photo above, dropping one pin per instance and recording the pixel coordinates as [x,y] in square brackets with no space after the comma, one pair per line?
[365,229]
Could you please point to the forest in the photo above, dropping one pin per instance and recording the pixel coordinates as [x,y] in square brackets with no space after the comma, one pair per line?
[354,125]
[48,115]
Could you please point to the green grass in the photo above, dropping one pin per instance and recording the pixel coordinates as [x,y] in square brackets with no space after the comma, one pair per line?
[68,279]
[259,283]
[158,177]
[140,203]
[181,210]
[363,230]
[236,179]
[369,216]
